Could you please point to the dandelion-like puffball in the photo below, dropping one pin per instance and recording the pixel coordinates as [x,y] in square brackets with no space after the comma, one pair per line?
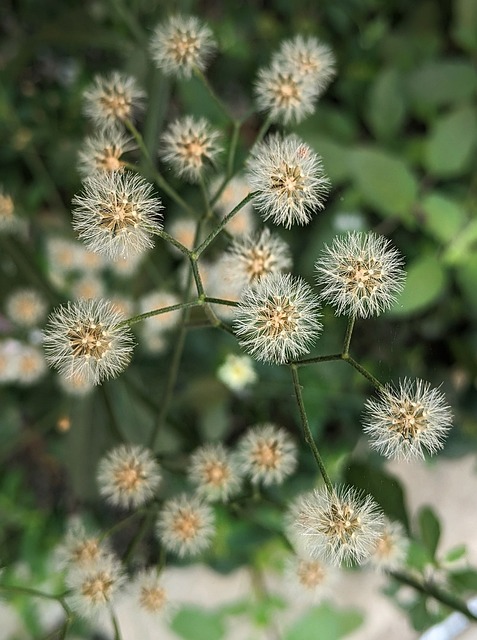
[407,421]
[116,214]
[237,372]
[80,549]
[360,274]
[277,319]
[128,476]
[339,526]
[289,180]
[26,307]
[391,548]
[185,525]
[214,473]
[113,99]
[30,365]
[148,594]
[267,454]
[181,44]
[309,579]
[85,339]
[190,146]
[103,152]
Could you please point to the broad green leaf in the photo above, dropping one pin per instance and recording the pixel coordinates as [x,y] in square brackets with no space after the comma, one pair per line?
[333,154]
[442,82]
[452,142]
[418,556]
[386,105]
[192,623]
[384,487]
[465,579]
[430,529]
[466,276]
[385,181]
[425,282]
[325,623]
[462,248]
[443,217]
[420,617]
[464,27]
[456,553]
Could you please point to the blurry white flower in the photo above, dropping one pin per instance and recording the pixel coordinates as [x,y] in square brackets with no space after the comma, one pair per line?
[112,99]
[267,454]
[237,372]
[213,472]
[26,307]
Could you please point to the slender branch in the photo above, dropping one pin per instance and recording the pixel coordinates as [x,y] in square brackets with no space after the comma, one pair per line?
[35,593]
[327,358]
[364,372]
[348,334]
[168,238]
[228,303]
[197,279]
[263,130]
[306,427]
[114,620]
[429,588]
[222,224]
[157,312]
[146,522]
[122,523]
[230,161]
[198,73]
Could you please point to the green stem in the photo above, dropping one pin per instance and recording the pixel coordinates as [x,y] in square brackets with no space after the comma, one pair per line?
[228,303]
[429,588]
[114,620]
[306,427]
[198,73]
[230,162]
[205,197]
[138,537]
[364,372]
[348,334]
[327,358]
[263,130]
[157,312]
[165,236]
[222,224]
[156,109]
[129,21]
[121,524]
[198,280]
[35,593]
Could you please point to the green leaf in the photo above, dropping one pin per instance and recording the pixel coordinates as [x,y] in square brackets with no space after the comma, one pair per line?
[430,529]
[418,556]
[442,82]
[443,217]
[384,487]
[456,553]
[333,155]
[425,282]
[466,579]
[450,148]
[192,623]
[462,248]
[325,623]
[420,617]
[464,27]
[466,276]
[386,107]
[385,181]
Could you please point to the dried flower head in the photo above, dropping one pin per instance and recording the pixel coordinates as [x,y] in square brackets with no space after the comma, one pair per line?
[181,44]
[9,221]
[338,526]
[80,549]
[116,214]
[30,365]
[149,594]
[253,257]
[26,307]
[288,178]
[237,372]
[360,274]
[190,146]
[234,192]
[287,96]
[103,152]
[113,99]
[9,351]
[405,422]
[308,57]
[62,257]
[214,473]
[391,548]
[185,525]
[93,587]
[278,318]
[85,339]
[310,579]
[128,476]
[267,454]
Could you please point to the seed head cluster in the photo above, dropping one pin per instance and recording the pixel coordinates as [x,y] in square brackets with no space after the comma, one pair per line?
[113,99]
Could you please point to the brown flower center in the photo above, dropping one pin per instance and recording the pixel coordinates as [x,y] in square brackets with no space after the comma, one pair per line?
[267,454]
[278,317]
[129,476]
[117,104]
[216,473]
[98,588]
[362,276]
[310,573]
[118,215]
[186,525]
[288,181]
[89,341]
[152,599]
[409,418]
[342,523]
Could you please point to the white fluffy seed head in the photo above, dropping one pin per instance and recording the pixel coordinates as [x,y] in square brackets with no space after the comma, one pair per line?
[116,214]
[128,476]
[84,339]
[391,548]
[185,525]
[406,421]
[181,44]
[214,473]
[30,365]
[308,57]
[289,180]
[309,579]
[277,318]
[9,221]
[360,274]
[26,307]
[113,99]
[267,454]
[190,146]
[237,372]
[80,549]
[148,594]
[103,152]
[339,526]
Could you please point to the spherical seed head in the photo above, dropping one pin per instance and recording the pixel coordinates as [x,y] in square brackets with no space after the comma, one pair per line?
[277,319]
[94,587]
[405,422]
[148,592]
[287,96]
[113,99]
[341,526]
[308,57]
[180,44]
[9,221]
[26,307]
[104,151]
[185,525]
[267,454]
[190,146]
[128,476]
[30,365]
[214,473]
[253,257]
[289,180]
[360,274]
[237,372]
[116,214]
[391,548]
[308,578]
[84,339]
[80,549]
